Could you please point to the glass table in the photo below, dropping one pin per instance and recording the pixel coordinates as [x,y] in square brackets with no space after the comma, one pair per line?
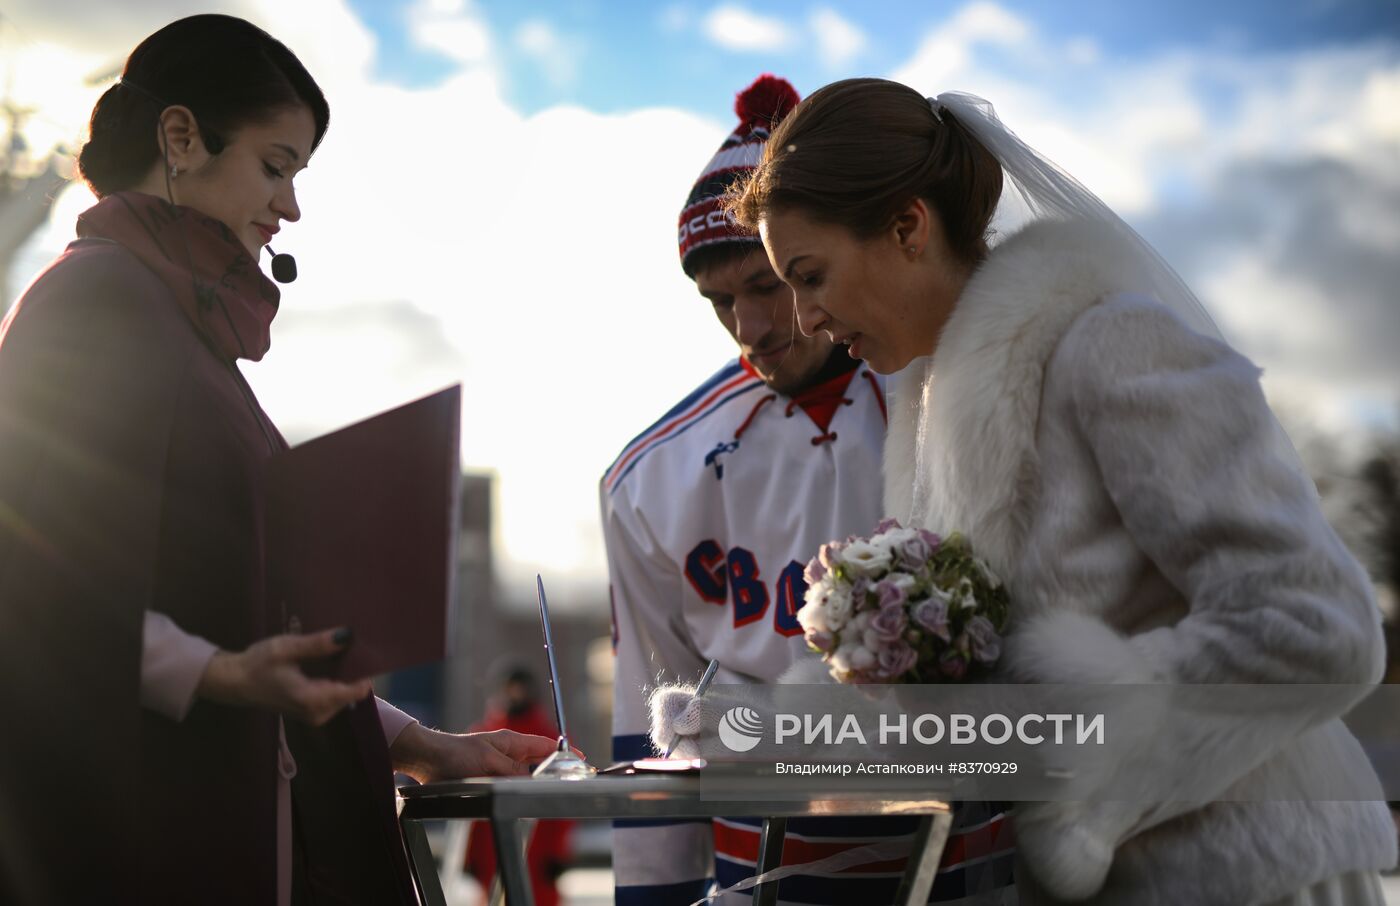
[719,790]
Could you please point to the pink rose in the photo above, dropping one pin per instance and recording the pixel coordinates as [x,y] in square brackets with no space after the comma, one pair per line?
[886,524]
[933,541]
[828,555]
[891,594]
[983,640]
[893,661]
[889,623]
[860,587]
[913,553]
[932,616]
[821,640]
[953,665]
[814,571]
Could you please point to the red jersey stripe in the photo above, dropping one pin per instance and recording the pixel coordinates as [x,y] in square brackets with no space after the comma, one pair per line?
[663,430]
[739,843]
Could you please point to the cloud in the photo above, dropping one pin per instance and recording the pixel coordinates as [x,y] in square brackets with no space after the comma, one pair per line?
[451,28]
[555,55]
[108,30]
[948,51]
[736,28]
[394,344]
[1268,179]
[1296,258]
[839,41]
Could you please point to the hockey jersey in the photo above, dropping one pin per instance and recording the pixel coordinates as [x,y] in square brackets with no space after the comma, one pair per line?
[709,517]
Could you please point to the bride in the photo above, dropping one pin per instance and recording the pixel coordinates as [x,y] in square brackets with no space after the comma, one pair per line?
[1069,405]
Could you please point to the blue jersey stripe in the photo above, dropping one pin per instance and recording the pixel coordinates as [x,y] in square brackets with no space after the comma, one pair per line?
[631,747]
[682,894]
[623,823]
[745,388]
[719,377]
[679,413]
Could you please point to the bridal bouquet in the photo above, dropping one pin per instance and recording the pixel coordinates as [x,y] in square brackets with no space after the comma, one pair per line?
[903,606]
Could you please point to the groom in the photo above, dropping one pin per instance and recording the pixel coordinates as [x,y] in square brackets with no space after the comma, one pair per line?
[709,517]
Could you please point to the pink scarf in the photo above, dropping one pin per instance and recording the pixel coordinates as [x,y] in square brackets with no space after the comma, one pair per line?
[214,279]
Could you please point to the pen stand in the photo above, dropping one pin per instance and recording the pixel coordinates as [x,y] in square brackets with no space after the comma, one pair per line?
[565,765]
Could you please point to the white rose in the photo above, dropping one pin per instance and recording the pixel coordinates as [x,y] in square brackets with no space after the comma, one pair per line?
[813,617]
[818,591]
[862,658]
[894,538]
[838,608]
[903,581]
[865,559]
[860,622]
[841,657]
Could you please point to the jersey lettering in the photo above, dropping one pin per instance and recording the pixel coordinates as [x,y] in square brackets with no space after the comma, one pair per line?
[750,594]
[792,591]
[704,567]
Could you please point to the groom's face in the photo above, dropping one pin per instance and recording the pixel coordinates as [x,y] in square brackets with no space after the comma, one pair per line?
[757,309]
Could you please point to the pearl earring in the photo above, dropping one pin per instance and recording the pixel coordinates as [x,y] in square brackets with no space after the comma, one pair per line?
[174,170]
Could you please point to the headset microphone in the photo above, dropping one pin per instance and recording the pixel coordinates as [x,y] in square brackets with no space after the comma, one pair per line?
[284,267]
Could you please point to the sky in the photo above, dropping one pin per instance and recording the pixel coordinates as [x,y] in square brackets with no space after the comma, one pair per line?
[495,202]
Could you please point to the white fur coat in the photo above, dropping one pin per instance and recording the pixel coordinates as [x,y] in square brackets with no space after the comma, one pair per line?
[1126,477]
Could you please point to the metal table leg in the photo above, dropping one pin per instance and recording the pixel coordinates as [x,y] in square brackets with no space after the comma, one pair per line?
[509,836]
[425,871]
[770,856]
[929,841]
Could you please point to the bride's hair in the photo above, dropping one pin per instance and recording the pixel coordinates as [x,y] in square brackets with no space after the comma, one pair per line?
[858,151]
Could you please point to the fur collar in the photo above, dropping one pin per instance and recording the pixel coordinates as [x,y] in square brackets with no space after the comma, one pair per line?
[961,449]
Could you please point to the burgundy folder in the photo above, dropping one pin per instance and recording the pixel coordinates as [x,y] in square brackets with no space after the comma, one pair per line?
[361,533]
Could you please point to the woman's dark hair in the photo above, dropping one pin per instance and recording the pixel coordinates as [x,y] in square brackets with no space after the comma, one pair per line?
[228,72]
[858,151]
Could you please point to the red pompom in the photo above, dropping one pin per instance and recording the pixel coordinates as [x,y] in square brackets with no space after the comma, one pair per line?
[766,101]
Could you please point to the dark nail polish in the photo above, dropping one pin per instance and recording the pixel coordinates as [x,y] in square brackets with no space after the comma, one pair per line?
[342,636]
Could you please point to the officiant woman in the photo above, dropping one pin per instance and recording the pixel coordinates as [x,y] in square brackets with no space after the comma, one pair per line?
[162,744]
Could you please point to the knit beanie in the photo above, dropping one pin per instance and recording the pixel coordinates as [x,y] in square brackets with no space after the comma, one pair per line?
[703,222]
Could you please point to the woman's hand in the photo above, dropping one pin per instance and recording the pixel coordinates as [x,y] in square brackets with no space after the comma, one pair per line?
[268,675]
[429,755]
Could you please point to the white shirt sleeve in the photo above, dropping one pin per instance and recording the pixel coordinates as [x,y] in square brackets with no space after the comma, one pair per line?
[172,662]
[392,720]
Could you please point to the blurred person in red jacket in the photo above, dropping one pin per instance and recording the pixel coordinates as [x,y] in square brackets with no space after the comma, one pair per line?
[516,706]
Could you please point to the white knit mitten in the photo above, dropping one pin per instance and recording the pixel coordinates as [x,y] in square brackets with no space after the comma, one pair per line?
[677,716]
